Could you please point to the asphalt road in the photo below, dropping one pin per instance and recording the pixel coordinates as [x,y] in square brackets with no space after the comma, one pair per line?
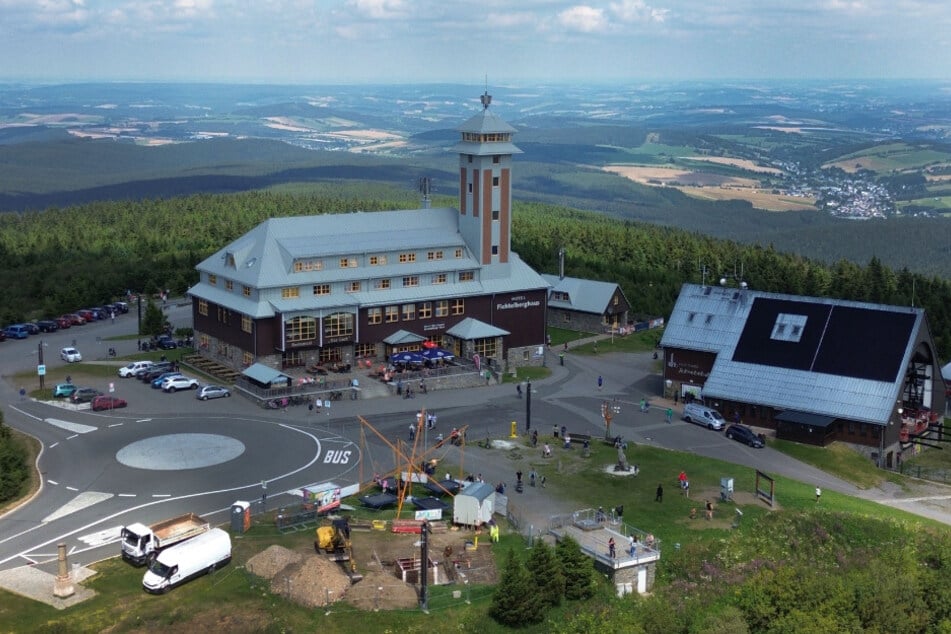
[170,453]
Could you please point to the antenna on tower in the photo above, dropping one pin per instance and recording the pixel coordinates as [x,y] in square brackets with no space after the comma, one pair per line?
[486,98]
[425,186]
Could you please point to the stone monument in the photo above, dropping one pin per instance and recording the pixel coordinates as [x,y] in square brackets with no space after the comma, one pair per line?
[63,586]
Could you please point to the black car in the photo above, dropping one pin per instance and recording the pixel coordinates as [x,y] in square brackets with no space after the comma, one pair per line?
[154,371]
[47,325]
[32,328]
[745,435]
[164,342]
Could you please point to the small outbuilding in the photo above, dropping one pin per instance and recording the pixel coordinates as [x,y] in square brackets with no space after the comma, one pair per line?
[474,505]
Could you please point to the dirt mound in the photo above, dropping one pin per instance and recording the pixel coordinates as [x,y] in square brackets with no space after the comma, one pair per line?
[313,582]
[381,591]
[269,562]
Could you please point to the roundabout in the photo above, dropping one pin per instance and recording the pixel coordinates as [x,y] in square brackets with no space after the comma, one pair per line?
[180,451]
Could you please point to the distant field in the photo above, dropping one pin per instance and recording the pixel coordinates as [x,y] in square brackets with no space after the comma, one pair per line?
[707,186]
[889,158]
[758,198]
[745,164]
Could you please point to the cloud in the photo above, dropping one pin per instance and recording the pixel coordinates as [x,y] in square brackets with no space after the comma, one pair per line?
[583,19]
[637,11]
[380,9]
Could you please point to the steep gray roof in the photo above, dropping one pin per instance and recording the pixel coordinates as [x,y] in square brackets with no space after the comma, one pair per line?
[470,328]
[486,122]
[264,259]
[587,296]
[833,370]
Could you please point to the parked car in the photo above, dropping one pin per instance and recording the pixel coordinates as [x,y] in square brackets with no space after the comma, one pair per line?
[84,395]
[87,315]
[212,391]
[154,371]
[175,383]
[106,402]
[160,379]
[745,435]
[63,322]
[32,328]
[47,325]
[16,331]
[128,371]
[705,416]
[70,355]
[165,342]
[3,336]
[121,307]
[75,319]
[63,390]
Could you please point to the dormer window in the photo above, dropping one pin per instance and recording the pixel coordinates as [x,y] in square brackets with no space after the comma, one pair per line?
[788,327]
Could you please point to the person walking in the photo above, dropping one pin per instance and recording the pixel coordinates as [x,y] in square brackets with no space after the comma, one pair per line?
[412,432]
[632,546]
[532,475]
[818,493]
[600,382]
[709,507]
[611,548]
[659,496]
[518,389]
[670,415]
[687,489]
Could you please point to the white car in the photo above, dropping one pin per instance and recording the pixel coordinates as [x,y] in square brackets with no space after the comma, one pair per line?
[70,355]
[127,371]
[174,383]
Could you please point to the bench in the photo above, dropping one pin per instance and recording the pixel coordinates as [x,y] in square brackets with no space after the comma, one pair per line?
[579,438]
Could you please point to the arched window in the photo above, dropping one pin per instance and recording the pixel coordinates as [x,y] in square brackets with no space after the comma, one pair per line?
[338,325]
[300,329]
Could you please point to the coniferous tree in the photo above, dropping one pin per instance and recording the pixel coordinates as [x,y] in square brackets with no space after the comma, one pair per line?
[516,603]
[547,577]
[576,568]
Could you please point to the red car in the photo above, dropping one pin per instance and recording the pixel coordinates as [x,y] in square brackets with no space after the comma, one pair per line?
[101,403]
[74,319]
[63,322]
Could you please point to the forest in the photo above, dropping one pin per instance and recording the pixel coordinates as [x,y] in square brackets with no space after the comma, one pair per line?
[60,259]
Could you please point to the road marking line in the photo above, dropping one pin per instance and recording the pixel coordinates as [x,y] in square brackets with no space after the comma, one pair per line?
[103,537]
[161,495]
[73,436]
[127,495]
[68,426]
[144,420]
[72,488]
[117,425]
[53,482]
[78,503]
[54,444]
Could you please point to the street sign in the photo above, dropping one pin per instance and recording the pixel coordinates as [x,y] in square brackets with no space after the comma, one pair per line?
[41,370]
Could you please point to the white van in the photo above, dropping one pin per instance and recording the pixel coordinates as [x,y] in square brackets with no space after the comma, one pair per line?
[187,560]
[127,371]
[703,415]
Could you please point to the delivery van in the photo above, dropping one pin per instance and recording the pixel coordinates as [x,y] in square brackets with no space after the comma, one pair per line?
[187,560]
[703,415]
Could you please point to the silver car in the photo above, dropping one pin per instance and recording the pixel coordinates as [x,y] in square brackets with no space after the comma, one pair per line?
[212,391]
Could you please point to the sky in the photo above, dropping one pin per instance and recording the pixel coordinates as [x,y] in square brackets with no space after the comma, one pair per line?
[503,41]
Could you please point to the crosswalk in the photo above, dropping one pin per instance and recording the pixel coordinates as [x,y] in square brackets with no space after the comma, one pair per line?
[103,537]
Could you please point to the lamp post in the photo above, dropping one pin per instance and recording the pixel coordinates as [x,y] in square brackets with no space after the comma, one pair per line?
[528,405]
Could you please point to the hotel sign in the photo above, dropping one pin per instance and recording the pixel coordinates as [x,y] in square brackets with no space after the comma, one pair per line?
[518,302]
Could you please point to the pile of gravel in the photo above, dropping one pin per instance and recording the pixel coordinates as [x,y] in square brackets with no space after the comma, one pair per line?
[382,591]
[268,563]
[314,582]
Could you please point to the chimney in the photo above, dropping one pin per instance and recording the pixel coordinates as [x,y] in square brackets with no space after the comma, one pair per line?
[561,263]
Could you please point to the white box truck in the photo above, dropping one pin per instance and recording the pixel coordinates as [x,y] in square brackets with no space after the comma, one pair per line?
[187,560]
[141,543]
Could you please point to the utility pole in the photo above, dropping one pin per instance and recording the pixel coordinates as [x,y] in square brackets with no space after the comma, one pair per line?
[528,405]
